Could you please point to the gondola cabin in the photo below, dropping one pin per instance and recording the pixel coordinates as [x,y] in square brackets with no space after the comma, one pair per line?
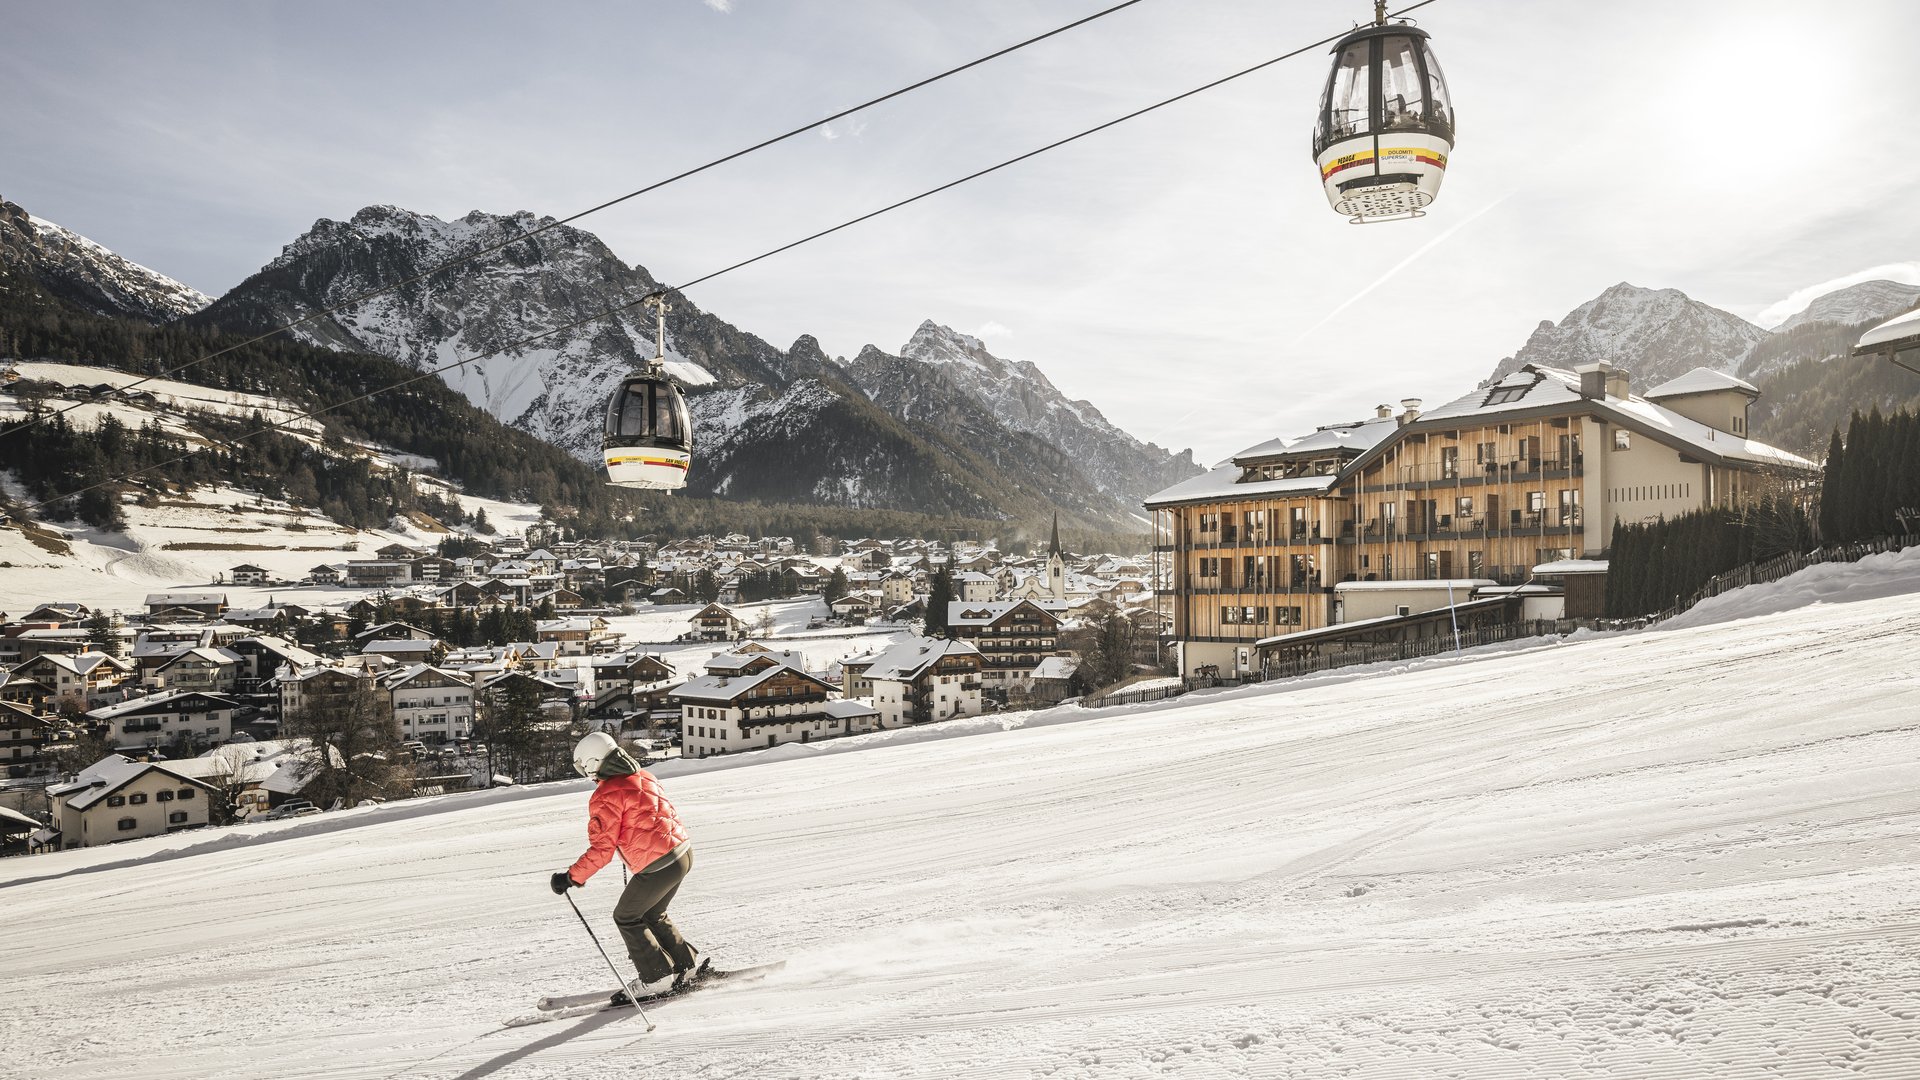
[1386,125]
[648,441]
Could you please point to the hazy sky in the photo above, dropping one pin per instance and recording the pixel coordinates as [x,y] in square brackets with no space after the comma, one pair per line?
[1181,271]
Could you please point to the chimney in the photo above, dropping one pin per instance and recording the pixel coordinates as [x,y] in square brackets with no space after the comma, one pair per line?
[1412,413]
[1381,412]
[1593,379]
[1617,385]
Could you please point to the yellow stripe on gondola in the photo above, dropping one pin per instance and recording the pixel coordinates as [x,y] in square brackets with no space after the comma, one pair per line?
[672,463]
[1365,157]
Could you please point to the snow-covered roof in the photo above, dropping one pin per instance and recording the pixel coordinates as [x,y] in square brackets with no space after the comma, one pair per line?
[908,659]
[1903,330]
[82,663]
[843,708]
[140,704]
[1459,585]
[14,822]
[723,687]
[1572,566]
[1701,380]
[1224,480]
[1537,386]
[185,599]
[1056,667]
[106,776]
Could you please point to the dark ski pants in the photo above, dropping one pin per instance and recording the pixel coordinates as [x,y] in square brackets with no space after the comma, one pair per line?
[656,947]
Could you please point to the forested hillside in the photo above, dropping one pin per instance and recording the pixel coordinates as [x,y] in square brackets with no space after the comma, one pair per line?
[426,418]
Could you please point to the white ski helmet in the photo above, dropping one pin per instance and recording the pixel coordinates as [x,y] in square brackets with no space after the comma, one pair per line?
[589,752]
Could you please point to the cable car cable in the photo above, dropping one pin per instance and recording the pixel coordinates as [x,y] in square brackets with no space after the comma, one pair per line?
[655,186]
[617,309]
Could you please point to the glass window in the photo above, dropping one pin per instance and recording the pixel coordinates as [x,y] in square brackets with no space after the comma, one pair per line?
[1622,440]
[164,796]
[1463,508]
[178,817]
[1536,501]
[1349,109]
[1402,104]
[116,800]
[137,799]
[128,824]
[1440,101]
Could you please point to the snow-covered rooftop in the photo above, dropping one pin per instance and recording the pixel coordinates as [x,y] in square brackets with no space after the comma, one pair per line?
[1701,381]
[1899,329]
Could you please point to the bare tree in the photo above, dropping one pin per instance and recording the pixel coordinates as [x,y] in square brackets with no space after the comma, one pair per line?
[354,743]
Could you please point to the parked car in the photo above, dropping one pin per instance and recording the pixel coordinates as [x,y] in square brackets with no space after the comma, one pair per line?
[300,808]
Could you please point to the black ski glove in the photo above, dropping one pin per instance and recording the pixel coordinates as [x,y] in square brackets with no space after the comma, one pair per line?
[561,883]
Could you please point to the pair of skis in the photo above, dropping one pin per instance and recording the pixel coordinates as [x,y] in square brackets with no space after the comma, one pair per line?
[568,1006]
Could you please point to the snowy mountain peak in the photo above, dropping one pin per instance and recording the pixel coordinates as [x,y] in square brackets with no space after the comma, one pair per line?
[78,269]
[1021,396]
[1658,334]
[1868,302]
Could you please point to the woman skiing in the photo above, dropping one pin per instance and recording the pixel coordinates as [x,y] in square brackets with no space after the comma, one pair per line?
[629,815]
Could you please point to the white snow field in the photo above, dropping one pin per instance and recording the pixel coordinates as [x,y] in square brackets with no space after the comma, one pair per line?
[1686,853]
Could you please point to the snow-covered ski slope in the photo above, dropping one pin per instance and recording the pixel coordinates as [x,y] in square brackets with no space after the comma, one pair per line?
[1685,853]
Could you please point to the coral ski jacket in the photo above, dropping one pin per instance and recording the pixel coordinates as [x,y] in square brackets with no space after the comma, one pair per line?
[628,814]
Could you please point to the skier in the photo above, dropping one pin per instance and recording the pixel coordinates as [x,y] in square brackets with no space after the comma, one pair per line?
[629,815]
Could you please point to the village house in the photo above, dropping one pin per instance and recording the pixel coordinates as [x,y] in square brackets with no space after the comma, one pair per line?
[207,669]
[1013,636]
[1533,469]
[717,622]
[185,605]
[170,718]
[116,799]
[430,704]
[85,676]
[925,679]
[22,735]
[574,635]
[756,702]
[326,575]
[335,690]
[378,573]
[248,574]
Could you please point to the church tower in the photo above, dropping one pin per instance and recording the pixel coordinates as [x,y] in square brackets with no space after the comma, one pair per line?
[1056,564]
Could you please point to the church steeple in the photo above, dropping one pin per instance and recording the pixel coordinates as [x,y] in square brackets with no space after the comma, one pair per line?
[1056,564]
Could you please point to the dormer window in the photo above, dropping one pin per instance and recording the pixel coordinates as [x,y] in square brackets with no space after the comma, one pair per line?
[1502,395]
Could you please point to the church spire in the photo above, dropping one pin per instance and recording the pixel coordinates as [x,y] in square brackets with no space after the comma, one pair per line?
[1053,545]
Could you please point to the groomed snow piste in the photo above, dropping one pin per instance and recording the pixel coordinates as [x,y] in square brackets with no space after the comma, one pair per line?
[1684,853]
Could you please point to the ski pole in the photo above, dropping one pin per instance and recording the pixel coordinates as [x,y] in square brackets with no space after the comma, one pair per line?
[603,955]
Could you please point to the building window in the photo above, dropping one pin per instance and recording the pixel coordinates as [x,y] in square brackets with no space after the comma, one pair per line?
[1622,440]
[128,824]
[1462,509]
[164,796]
[1536,501]
[178,817]
[137,799]
[1570,506]
[116,800]
[1476,564]
[186,794]
[1484,453]
[1449,462]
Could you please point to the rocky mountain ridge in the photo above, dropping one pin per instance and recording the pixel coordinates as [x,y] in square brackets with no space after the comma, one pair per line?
[1657,334]
[779,425]
[76,269]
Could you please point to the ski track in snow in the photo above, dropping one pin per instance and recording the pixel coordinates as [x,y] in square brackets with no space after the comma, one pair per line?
[1686,853]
